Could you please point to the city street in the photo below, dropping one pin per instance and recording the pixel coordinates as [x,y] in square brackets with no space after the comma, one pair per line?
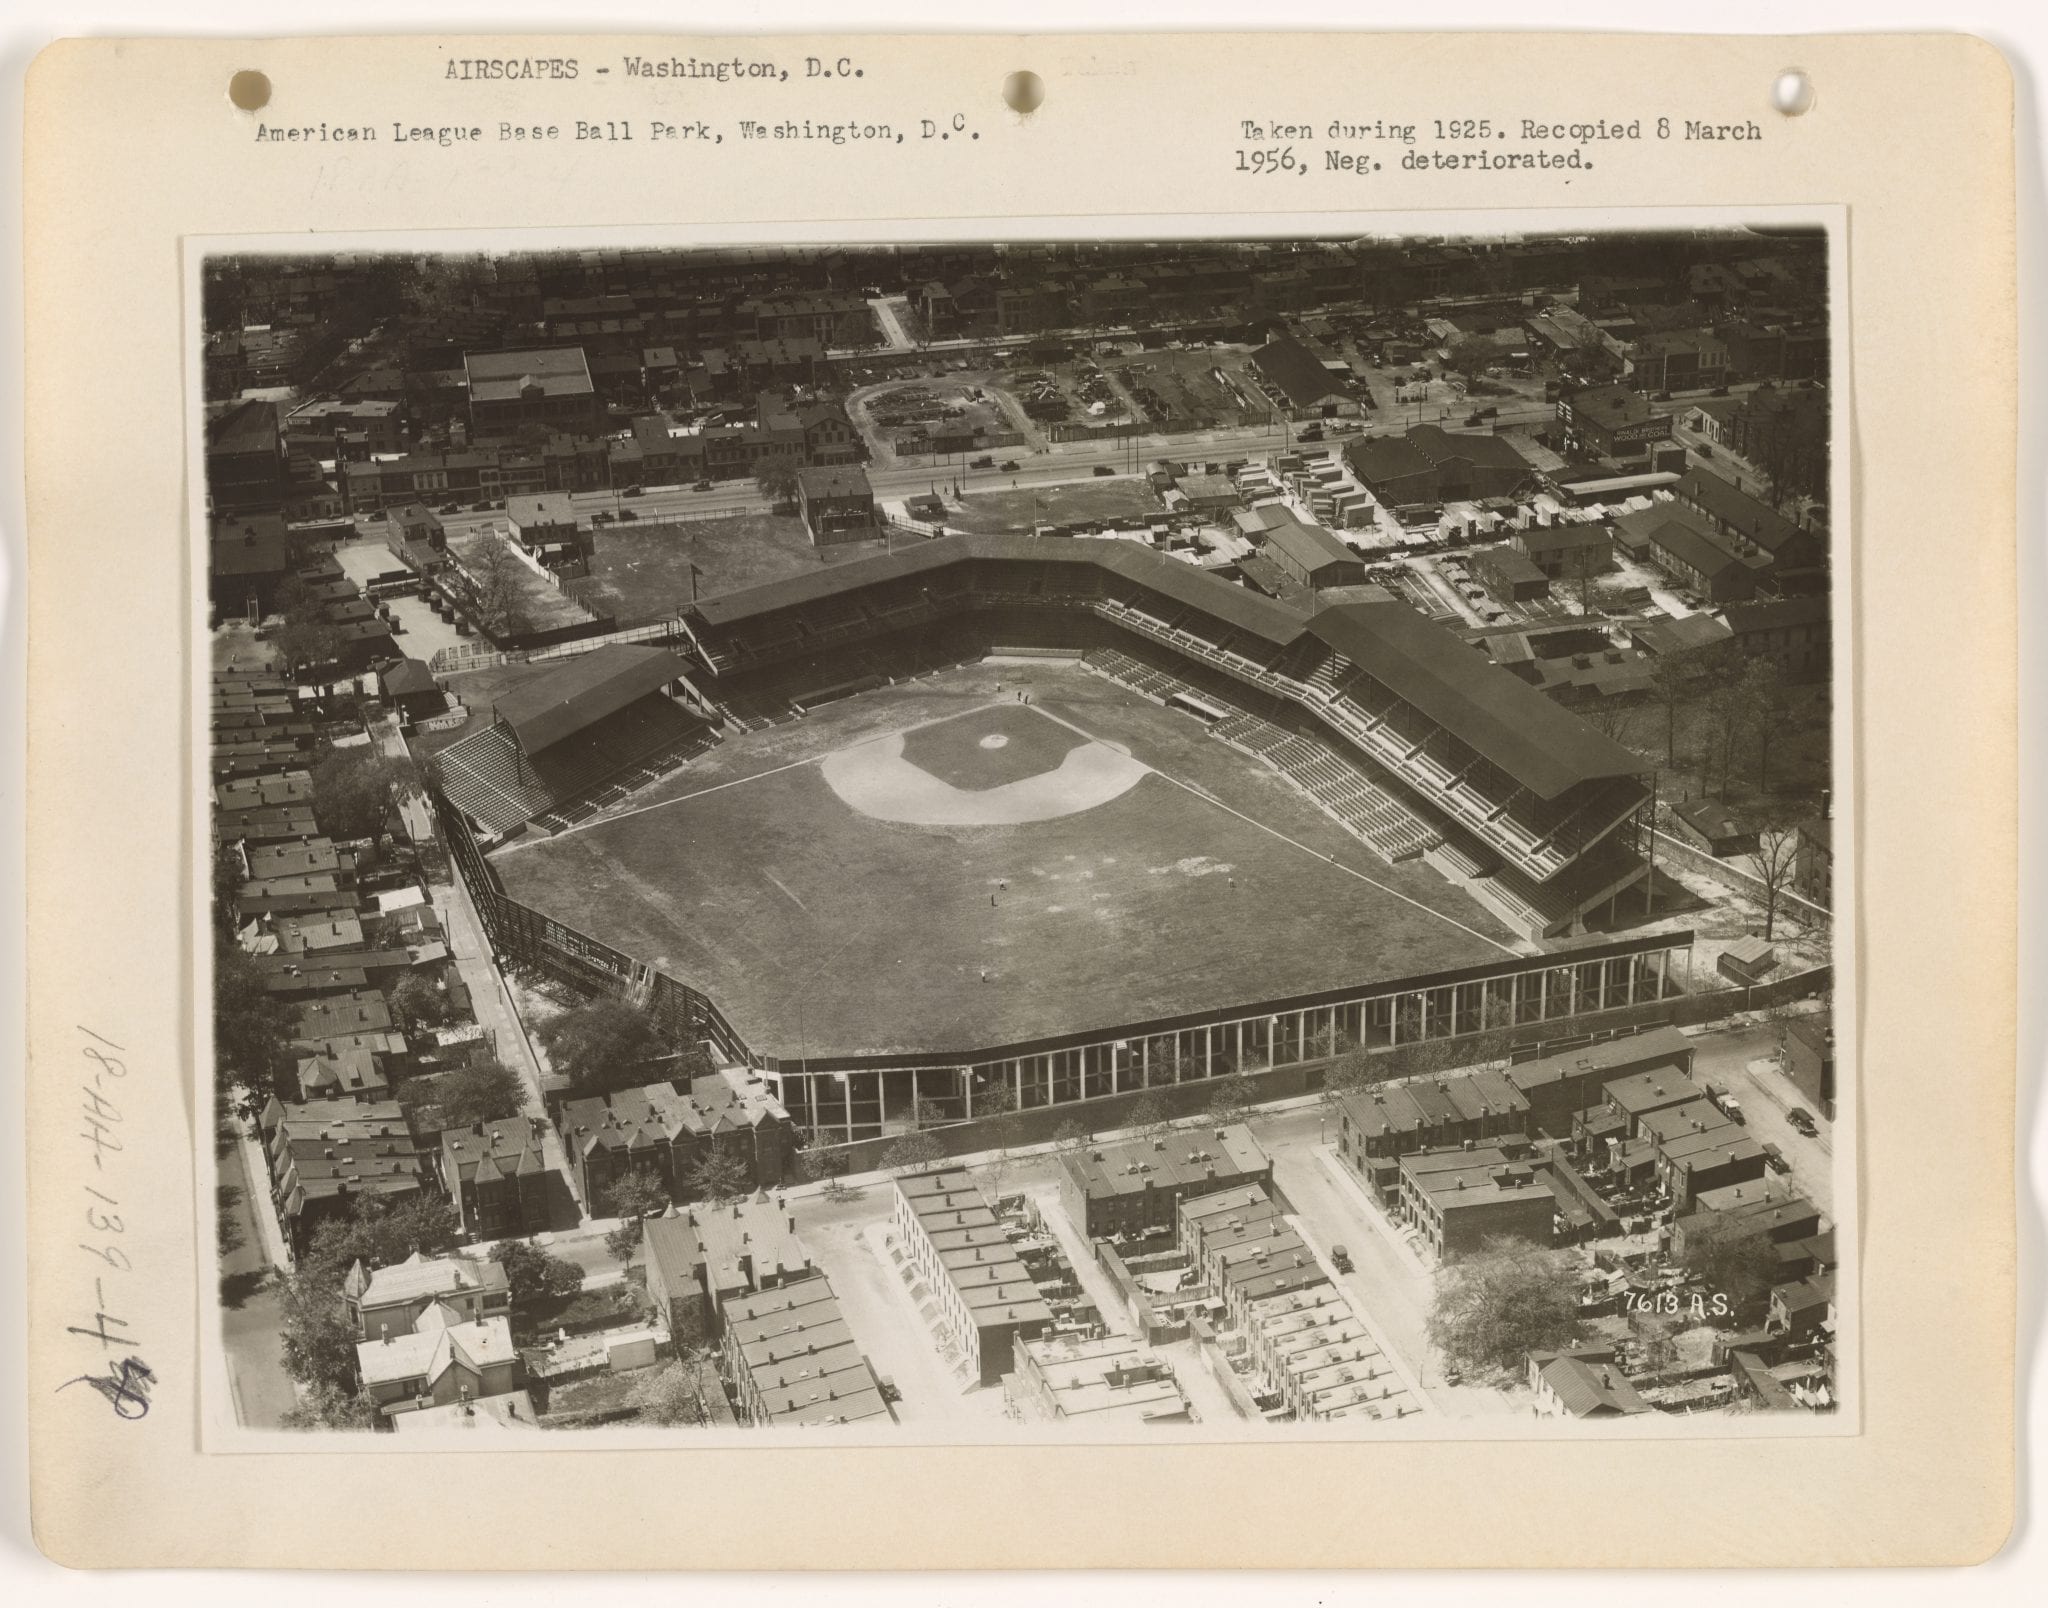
[250,1311]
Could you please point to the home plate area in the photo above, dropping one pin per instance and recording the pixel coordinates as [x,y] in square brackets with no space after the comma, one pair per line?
[1001,765]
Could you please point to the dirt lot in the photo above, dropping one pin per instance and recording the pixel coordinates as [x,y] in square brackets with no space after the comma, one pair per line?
[645,568]
[960,404]
[1179,391]
[1111,499]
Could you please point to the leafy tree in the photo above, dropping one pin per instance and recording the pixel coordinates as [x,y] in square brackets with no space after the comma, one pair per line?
[227,884]
[1231,1098]
[1147,1115]
[912,1151]
[1503,1301]
[329,1406]
[716,1177]
[1069,1136]
[677,1394]
[602,1046]
[317,1339]
[1730,1257]
[352,792]
[632,1199]
[252,1027]
[776,482]
[486,1092]
[418,1003]
[1776,858]
[995,1110]
[306,637]
[537,1275]
[377,1233]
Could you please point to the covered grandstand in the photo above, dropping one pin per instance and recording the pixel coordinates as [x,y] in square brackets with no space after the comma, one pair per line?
[1409,737]
[576,737]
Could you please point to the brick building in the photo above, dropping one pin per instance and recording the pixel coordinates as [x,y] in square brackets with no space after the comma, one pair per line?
[662,1130]
[1136,1187]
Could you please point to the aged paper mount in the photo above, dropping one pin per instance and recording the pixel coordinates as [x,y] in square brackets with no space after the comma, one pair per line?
[865,143]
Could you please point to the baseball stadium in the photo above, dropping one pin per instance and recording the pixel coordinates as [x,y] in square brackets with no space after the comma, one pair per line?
[1061,818]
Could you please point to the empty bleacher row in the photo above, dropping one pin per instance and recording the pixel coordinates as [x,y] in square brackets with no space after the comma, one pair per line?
[489,778]
[1366,810]
[1448,751]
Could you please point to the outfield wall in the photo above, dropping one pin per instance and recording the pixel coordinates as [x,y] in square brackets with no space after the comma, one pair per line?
[1282,1044]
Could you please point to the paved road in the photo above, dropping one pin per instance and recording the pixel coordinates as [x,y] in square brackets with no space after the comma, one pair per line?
[250,1312]
[1743,1061]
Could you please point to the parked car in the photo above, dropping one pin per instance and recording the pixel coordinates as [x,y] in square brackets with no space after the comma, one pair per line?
[887,1388]
[627,513]
[1774,1158]
[703,485]
[1010,466]
[983,462]
[604,516]
[1340,1259]
[1802,1119]
[1104,469]
[630,491]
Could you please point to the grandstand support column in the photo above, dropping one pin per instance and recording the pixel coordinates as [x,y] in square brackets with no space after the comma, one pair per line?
[1237,1045]
[1543,995]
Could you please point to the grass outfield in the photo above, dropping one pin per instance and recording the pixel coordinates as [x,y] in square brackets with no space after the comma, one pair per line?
[815,927]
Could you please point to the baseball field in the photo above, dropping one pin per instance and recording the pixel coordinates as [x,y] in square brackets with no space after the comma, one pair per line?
[1001,852]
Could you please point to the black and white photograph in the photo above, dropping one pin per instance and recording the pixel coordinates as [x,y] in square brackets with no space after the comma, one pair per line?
[1228,836]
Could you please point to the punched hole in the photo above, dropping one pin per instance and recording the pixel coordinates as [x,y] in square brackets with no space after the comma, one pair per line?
[250,90]
[1024,92]
[1792,92]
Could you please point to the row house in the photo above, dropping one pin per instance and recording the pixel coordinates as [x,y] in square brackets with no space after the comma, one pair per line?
[1378,1126]
[662,1130]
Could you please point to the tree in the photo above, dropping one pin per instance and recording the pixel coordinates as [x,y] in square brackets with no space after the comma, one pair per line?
[1231,1098]
[316,1337]
[1503,1301]
[634,1198]
[1730,1257]
[1069,1136]
[252,1027]
[378,1233]
[995,1111]
[1776,857]
[601,1046]
[717,1177]
[417,1004]
[677,1394]
[1760,689]
[486,1092]
[1351,1073]
[1581,565]
[912,1151]
[1611,718]
[228,875]
[500,590]
[352,792]
[537,1275]
[930,1114]
[1729,716]
[776,482]
[1147,1116]
[329,1406]
[306,637]
[1671,685]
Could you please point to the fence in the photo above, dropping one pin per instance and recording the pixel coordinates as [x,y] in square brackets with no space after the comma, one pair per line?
[1742,881]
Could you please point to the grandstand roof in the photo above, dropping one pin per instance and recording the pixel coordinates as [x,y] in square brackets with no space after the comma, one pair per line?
[1544,747]
[1169,577]
[583,691]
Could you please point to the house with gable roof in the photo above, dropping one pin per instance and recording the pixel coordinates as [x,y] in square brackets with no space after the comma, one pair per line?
[663,1129]
[443,1361]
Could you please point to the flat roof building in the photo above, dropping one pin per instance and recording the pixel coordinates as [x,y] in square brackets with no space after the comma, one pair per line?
[793,1361]
[1135,1187]
[1091,1380]
[1459,1199]
[987,1298]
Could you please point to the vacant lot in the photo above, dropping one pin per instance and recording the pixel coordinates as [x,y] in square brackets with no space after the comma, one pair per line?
[1112,500]
[818,929]
[538,603]
[643,569]
[1179,391]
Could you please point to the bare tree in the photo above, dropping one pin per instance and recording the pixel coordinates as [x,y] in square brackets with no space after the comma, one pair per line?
[1760,692]
[1611,718]
[497,580]
[1777,852]
[1671,684]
